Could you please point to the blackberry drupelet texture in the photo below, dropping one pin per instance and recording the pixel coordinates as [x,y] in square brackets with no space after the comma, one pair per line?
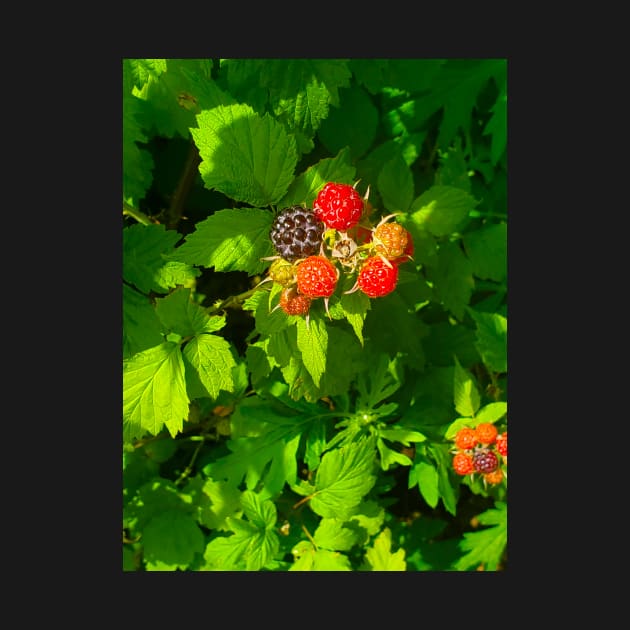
[296,233]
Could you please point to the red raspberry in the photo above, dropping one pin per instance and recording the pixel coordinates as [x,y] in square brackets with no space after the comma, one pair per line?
[391,240]
[339,206]
[463,464]
[292,303]
[502,444]
[485,461]
[487,433]
[494,477]
[377,278]
[316,277]
[466,438]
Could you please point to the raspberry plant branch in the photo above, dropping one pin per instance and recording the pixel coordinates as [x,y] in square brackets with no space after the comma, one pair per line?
[138,215]
[178,201]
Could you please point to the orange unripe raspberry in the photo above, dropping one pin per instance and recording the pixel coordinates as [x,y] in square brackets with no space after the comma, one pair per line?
[463,464]
[487,433]
[391,240]
[494,477]
[466,438]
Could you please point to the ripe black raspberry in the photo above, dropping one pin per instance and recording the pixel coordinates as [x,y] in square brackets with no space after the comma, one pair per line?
[485,461]
[296,233]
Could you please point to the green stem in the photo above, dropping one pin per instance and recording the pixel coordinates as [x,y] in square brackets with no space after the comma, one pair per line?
[139,216]
[234,301]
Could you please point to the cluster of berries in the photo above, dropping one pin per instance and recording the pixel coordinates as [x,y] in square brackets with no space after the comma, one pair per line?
[313,245]
[481,450]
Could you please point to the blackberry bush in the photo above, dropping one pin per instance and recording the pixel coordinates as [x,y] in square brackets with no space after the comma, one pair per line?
[296,233]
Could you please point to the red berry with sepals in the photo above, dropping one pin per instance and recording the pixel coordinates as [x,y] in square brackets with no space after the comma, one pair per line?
[463,464]
[377,277]
[292,303]
[339,206]
[501,443]
[316,277]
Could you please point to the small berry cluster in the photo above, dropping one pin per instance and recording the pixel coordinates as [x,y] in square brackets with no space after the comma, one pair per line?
[315,246]
[481,450]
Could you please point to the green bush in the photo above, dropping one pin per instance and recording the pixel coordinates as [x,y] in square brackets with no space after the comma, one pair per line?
[254,440]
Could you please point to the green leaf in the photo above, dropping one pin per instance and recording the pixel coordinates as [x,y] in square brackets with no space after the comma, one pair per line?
[255,541]
[169,105]
[247,157]
[424,473]
[312,342]
[491,339]
[376,384]
[491,413]
[372,73]
[141,327]
[452,279]
[172,538]
[217,501]
[262,513]
[230,240]
[344,476]
[446,339]
[379,556]
[465,394]
[389,457]
[335,534]
[402,435]
[137,163]
[352,125]
[300,90]
[173,274]
[305,187]
[497,127]
[485,547]
[392,327]
[454,169]
[212,359]
[143,249]
[354,307]
[310,559]
[448,491]
[263,446]
[395,184]
[441,209]
[487,250]
[144,69]
[154,392]
[178,313]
